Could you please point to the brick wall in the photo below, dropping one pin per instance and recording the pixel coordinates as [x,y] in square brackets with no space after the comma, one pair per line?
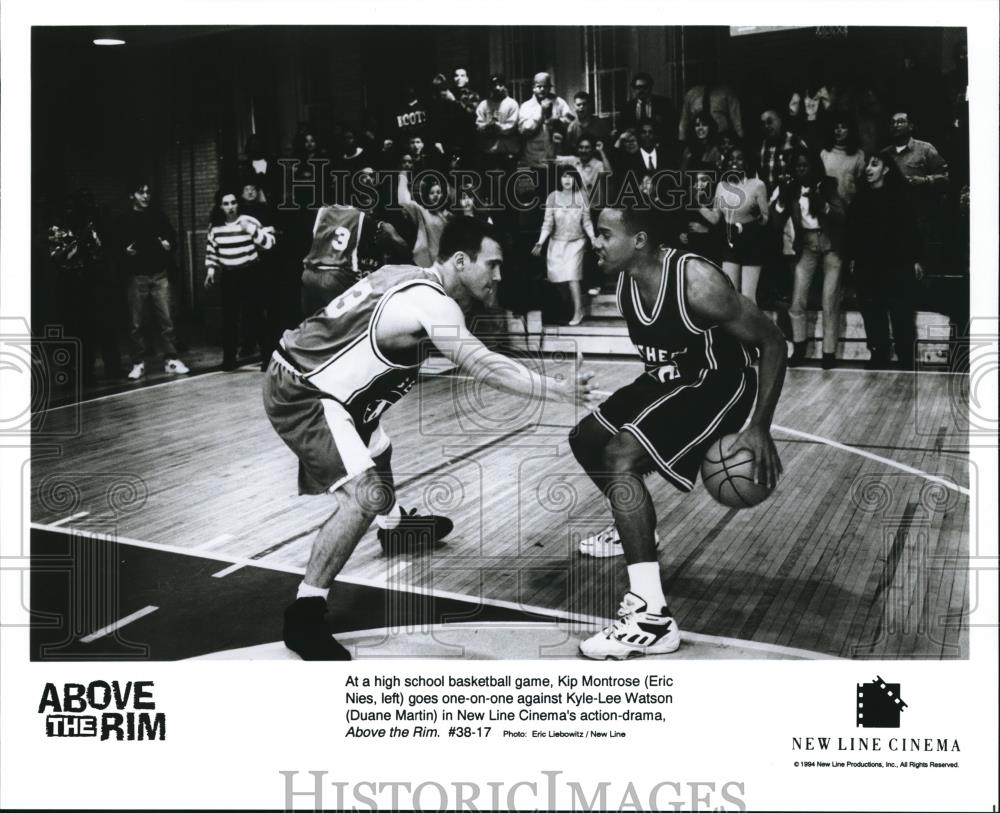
[129,115]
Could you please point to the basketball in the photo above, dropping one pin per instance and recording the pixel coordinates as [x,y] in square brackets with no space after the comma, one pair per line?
[729,479]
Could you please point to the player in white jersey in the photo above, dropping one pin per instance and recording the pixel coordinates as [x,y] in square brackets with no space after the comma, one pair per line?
[335,375]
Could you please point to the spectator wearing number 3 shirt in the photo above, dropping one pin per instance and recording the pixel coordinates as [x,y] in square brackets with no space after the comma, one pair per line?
[332,264]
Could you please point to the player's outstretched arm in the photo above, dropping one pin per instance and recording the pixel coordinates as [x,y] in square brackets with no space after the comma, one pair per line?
[391,240]
[711,301]
[444,323]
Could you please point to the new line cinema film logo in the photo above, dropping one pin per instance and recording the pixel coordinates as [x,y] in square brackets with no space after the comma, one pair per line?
[879,704]
[126,711]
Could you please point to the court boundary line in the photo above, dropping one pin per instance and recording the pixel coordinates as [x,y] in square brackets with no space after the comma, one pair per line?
[178,380]
[197,375]
[922,449]
[933,478]
[425,591]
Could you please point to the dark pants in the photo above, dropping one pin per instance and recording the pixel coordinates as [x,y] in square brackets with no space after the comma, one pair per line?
[319,288]
[280,286]
[156,289]
[887,293]
[91,310]
[242,311]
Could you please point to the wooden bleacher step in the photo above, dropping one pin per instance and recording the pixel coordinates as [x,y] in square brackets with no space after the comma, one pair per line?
[604,332]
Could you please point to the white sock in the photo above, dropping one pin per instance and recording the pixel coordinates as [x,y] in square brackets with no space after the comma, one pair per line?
[308,591]
[644,581]
[389,519]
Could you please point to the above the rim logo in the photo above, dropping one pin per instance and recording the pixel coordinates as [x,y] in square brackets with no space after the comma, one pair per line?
[132,717]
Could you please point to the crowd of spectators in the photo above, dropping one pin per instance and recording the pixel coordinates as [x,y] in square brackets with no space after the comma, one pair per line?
[816,188]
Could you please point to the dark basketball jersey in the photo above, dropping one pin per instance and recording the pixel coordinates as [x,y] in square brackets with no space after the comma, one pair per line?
[336,234]
[336,351]
[667,339]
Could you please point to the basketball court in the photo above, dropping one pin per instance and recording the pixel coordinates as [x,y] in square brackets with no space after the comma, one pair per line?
[169,527]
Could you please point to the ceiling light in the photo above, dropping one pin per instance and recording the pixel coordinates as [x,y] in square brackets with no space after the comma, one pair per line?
[108,41]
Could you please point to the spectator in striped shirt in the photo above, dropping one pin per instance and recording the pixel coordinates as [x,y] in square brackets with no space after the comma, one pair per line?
[232,253]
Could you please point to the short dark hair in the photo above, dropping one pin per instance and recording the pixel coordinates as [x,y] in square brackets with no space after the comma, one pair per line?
[581,94]
[137,183]
[640,216]
[644,77]
[464,234]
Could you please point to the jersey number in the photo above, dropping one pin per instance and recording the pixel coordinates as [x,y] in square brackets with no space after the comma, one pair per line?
[354,296]
[668,372]
[341,237]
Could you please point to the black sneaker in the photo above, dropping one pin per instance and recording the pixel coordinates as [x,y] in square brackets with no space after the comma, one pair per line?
[414,534]
[878,361]
[307,634]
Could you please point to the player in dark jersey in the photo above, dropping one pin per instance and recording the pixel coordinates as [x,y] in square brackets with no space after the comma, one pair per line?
[698,339]
[347,244]
[334,376]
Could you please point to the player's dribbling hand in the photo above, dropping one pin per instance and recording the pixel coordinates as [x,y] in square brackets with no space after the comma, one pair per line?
[766,463]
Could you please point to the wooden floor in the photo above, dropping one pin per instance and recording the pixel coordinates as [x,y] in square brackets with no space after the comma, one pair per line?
[855,555]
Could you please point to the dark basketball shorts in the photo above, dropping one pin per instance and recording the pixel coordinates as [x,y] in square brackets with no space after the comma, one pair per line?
[318,430]
[676,421]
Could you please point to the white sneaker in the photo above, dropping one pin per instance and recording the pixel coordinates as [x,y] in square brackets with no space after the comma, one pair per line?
[137,371]
[607,543]
[176,366]
[636,632]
